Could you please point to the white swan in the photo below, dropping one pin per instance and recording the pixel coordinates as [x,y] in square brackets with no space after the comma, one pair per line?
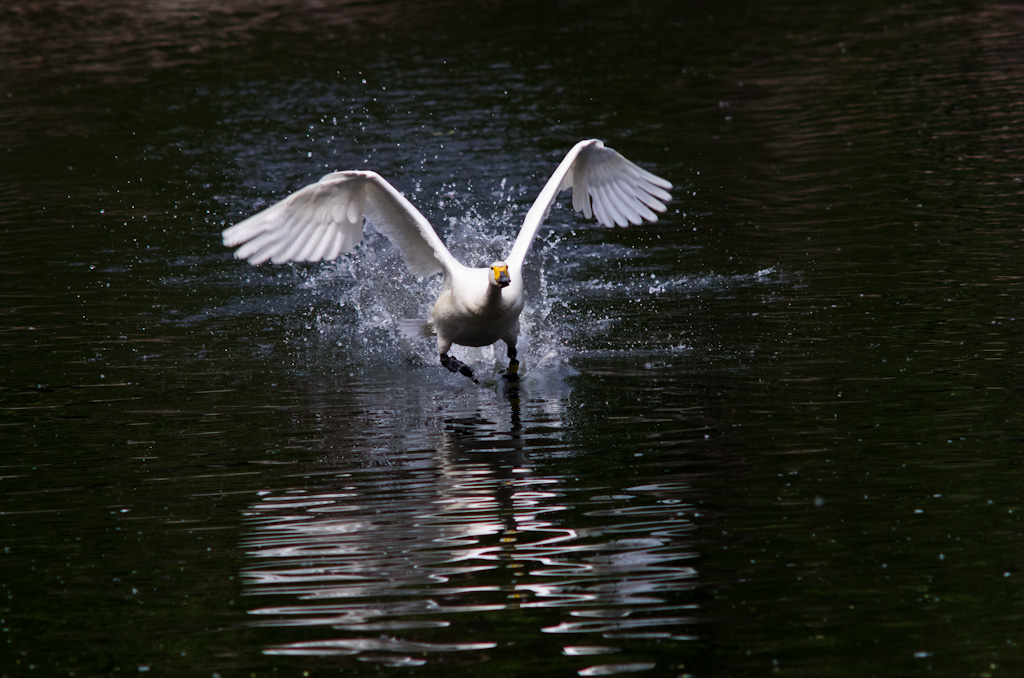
[477,306]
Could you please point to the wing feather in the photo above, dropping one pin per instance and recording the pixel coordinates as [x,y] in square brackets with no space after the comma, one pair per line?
[638,212]
[256,251]
[608,208]
[624,205]
[313,247]
[605,186]
[324,220]
[301,237]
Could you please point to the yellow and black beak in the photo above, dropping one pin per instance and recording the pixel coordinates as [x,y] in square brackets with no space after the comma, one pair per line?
[501,278]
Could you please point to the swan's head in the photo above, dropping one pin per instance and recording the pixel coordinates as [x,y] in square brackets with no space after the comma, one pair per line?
[499,274]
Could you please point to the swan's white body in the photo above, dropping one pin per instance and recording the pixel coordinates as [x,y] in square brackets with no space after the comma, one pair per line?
[477,306]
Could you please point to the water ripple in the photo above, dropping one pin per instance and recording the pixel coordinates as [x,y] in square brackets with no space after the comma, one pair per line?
[419,557]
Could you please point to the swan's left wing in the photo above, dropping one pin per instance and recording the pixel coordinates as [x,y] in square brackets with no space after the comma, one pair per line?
[604,184]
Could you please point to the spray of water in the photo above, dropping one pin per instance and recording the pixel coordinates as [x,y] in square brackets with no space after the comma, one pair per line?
[373,291]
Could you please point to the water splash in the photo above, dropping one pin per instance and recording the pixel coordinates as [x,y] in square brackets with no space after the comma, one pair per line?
[653,284]
[373,291]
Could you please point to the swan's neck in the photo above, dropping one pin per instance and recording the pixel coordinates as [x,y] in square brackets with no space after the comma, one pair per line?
[493,295]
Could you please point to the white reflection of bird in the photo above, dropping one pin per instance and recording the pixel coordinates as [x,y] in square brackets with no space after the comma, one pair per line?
[477,306]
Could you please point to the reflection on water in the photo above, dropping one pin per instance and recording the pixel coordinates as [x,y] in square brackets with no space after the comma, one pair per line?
[405,559]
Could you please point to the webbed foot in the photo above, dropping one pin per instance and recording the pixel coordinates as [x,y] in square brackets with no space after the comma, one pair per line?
[512,374]
[456,365]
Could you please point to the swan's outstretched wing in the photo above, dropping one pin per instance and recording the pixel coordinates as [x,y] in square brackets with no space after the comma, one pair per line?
[604,185]
[325,219]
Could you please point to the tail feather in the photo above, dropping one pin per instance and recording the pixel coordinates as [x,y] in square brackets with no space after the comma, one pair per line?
[415,328]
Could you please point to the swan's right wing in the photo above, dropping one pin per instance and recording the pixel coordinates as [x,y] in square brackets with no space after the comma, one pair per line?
[324,220]
[604,185]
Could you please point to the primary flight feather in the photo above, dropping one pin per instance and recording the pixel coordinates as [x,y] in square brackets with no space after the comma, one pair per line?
[476,306]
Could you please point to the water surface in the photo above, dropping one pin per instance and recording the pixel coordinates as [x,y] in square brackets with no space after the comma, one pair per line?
[777,432]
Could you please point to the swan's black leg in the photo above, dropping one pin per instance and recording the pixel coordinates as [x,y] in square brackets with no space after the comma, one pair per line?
[513,365]
[456,365]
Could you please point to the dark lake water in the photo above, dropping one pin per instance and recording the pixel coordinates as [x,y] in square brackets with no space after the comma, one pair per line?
[779,432]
